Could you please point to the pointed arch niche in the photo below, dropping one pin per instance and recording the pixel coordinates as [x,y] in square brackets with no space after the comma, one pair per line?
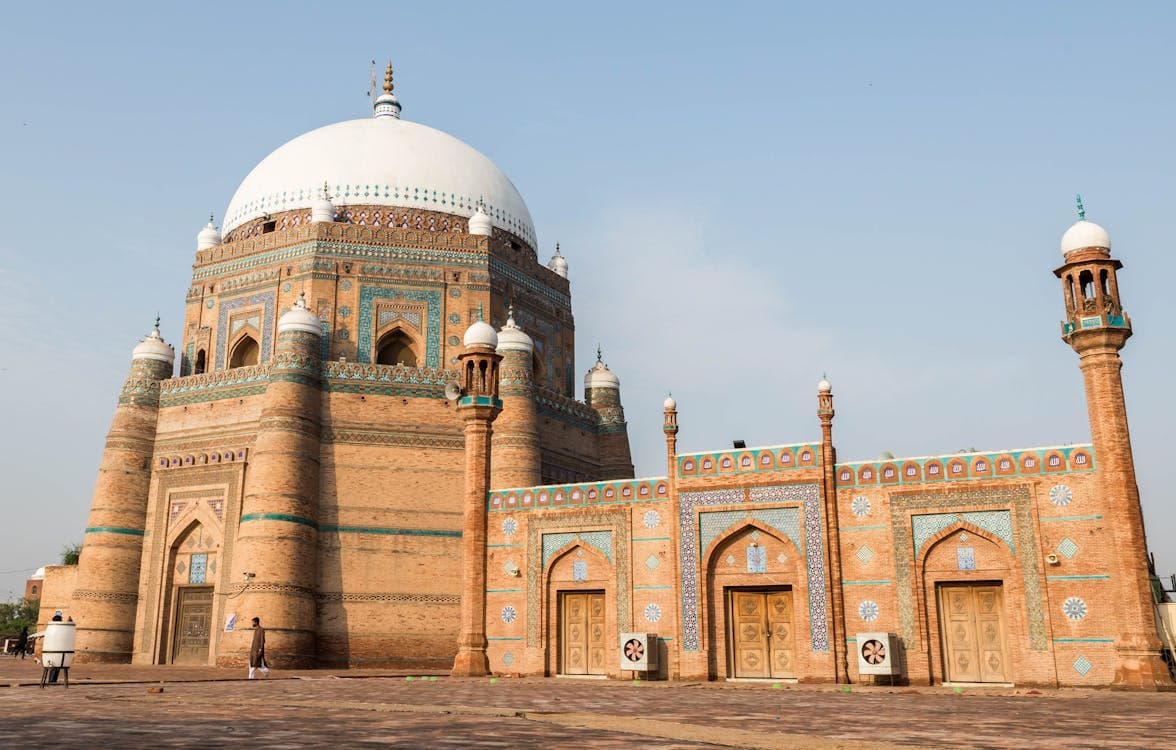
[245,350]
[397,346]
[581,567]
[753,557]
[187,622]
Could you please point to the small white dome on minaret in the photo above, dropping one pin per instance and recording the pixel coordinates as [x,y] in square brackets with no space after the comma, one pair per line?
[600,376]
[480,222]
[670,404]
[387,105]
[154,347]
[480,333]
[513,338]
[558,263]
[300,318]
[1084,234]
[321,209]
[209,236]
[824,386]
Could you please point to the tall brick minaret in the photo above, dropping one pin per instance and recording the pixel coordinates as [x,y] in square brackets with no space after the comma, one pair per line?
[275,560]
[107,590]
[602,391]
[825,414]
[478,406]
[1097,328]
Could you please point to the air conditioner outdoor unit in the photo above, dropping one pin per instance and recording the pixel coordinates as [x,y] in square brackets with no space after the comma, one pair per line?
[639,651]
[878,654]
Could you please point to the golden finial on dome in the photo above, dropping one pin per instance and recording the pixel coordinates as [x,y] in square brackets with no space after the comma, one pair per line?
[388,79]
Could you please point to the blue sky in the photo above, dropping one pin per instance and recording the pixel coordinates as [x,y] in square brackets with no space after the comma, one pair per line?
[748,195]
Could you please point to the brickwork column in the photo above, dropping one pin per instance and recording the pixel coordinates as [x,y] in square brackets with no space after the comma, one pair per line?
[832,531]
[478,406]
[107,592]
[515,457]
[602,391]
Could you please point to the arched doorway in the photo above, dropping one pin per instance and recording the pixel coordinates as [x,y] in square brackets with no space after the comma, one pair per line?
[581,612]
[396,348]
[245,352]
[192,562]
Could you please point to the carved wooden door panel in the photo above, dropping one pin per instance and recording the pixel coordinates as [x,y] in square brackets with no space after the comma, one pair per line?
[596,635]
[193,626]
[749,634]
[583,638]
[783,649]
[972,623]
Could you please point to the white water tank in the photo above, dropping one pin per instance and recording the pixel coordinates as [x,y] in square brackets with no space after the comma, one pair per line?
[57,650]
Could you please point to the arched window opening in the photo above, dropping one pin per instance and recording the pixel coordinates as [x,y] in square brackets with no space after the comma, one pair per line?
[1086,281]
[200,363]
[1102,277]
[396,349]
[539,374]
[245,352]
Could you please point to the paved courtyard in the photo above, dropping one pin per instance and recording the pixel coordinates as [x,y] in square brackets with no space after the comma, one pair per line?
[130,707]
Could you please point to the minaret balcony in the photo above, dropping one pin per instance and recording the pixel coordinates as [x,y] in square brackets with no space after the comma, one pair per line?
[1105,320]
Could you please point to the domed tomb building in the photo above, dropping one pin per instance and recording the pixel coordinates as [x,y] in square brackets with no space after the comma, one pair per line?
[306,464]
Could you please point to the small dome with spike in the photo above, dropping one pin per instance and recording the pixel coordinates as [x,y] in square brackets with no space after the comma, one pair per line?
[387,105]
[670,404]
[558,263]
[513,338]
[1083,234]
[480,221]
[209,236]
[300,318]
[480,333]
[154,347]
[321,209]
[600,376]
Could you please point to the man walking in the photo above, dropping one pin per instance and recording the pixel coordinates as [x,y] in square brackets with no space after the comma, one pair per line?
[257,650]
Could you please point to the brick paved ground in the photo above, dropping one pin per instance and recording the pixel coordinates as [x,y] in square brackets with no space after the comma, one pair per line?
[199,707]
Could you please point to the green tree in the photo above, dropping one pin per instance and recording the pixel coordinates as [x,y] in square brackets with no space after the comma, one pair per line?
[17,615]
[70,554]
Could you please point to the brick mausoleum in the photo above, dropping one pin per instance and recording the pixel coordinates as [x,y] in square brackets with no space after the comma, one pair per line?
[373,443]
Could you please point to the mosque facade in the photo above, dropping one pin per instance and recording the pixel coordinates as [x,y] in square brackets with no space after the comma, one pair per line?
[371,440]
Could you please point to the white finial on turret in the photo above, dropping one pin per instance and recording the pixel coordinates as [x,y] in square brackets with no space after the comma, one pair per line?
[154,347]
[209,236]
[387,105]
[558,263]
[480,222]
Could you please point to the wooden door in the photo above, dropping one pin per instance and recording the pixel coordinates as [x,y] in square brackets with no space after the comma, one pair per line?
[193,625]
[582,635]
[761,637]
[972,626]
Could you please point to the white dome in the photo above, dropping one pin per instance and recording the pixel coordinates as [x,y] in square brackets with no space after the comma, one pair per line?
[824,386]
[1085,234]
[601,377]
[300,318]
[381,161]
[208,237]
[513,338]
[670,404]
[321,208]
[558,263]
[154,347]
[480,333]
[39,575]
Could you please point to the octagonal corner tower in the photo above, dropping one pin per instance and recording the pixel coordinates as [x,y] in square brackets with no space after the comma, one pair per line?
[305,466]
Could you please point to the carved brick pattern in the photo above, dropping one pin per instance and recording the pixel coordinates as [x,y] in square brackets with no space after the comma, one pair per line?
[401,439]
[266,300]
[106,596]
[366,327]
[382,596]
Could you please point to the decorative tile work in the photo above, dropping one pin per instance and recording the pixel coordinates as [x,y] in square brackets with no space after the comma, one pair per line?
[509,526]
[199,568]
[868,611]
[509,614]
[653,613]
[861,506]
[508,658]
[344,311]
[266,300]
[1060,495]
[757,559]
[1067,548]
[601,540]
[618,521]
[1018,497]
[1082,665]
[619,492]
[454,318]
[864,554]
[345,285]
[651,519]
[510,566]
[369,294]
[713,525]
[652,562]
[690,541]
[999,522]
[1074,608]
[580,570]
[965,558]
